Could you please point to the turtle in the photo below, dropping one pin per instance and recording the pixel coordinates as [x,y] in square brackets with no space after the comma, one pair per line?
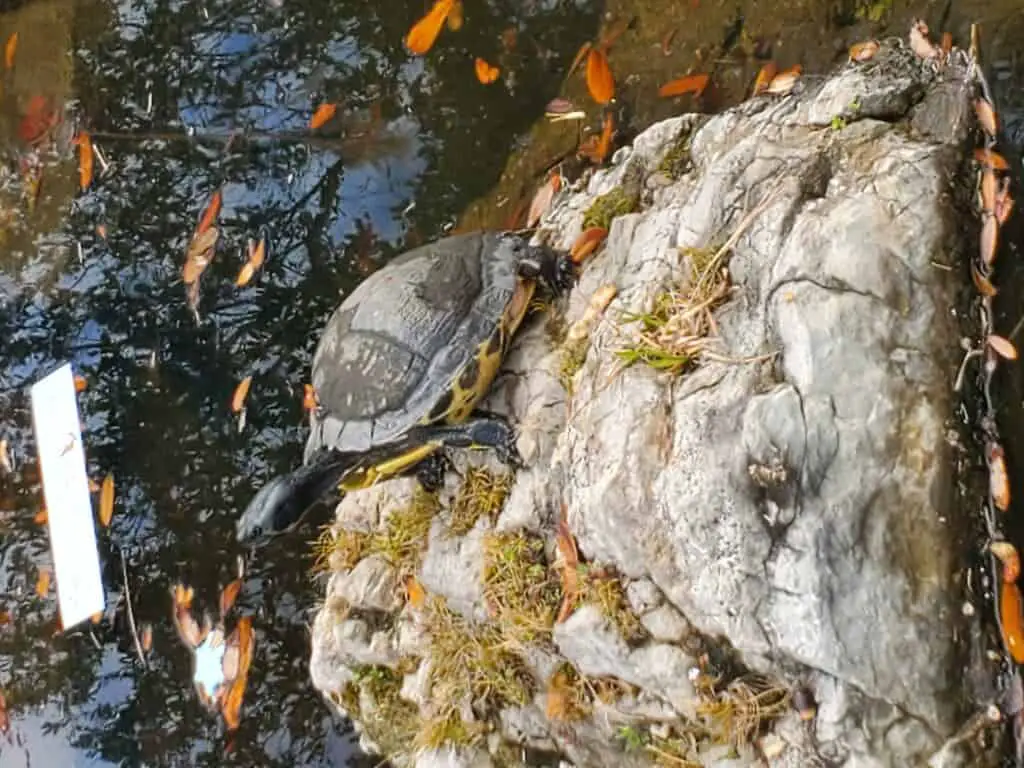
[401,367]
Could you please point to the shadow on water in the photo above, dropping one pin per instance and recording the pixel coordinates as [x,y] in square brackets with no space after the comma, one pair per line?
[187,97]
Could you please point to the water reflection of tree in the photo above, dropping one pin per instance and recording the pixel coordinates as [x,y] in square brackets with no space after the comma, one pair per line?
[183,471]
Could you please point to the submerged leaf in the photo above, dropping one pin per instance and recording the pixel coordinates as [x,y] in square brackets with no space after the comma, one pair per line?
[210,214]
[424,32]
[989,239]
[485,73]
[600,82]
[10,48]
[569,568]
[229,595]
[241,392]
[694,84]
[998,478]
[1011,621]
[1009,557]
[107,500]
[322,116]
[1003,346]
[43,582]
[84,160]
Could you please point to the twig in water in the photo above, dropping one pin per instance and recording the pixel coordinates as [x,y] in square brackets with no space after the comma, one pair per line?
[131,614]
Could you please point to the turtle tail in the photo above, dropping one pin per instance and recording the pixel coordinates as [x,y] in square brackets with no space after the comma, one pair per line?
[284,501]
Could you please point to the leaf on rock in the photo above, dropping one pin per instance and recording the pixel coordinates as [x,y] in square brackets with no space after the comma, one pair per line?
[84,160]
[991,159]
[309,398]
[998,477]
[1011,621]
[542,200]
[414,592]
[588,242]
[986,117]
[569,565]
[765,75]
[864,50]
[1009,557]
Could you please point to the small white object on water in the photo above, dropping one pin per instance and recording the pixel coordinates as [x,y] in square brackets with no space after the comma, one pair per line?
[66,490]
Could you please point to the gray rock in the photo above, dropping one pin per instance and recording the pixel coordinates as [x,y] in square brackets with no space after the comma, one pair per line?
[371,584]
[454,566]
[643,595]
[666,624]
[450,757]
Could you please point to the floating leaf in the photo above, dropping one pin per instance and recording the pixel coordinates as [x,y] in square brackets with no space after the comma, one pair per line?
[80,383]
[210,214]
[765,75]
[241,392]
[229,595]
[5,720]
[1003,346]
[863,51]
[989,239]
[84,160]
[998,478]
[1011,619]
[41,517]
[694,84]
[542,200]
[309,398]
[986,116]
[600,82]
[146,637]
[322,116]
[1009,557]
[257,253]
[456,16]
[982,283]
[199,254]
[43,582]
[107,500]
[991,159]
[10,48]
[231,707]
[485,73]
[414,592]
[587,243]
[424,32]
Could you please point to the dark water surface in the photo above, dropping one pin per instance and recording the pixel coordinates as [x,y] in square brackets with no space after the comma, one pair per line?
[95,279]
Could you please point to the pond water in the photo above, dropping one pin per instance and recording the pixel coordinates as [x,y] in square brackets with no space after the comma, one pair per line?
[185,97]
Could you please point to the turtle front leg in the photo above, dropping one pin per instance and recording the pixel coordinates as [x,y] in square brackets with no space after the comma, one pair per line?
[491,432]
[553,268]
[431,471]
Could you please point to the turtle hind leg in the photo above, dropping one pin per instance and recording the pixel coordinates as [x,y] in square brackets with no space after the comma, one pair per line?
[553,268]
[490,431]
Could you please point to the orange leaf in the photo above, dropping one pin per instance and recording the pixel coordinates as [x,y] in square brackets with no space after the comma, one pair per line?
[414,592]
[5,720]
[989,239]
[231,706]
[1009,557]
[991,159]
[588,242]
[694,84]
[783,82]
[455,18]
[1004,203]
[258,254]
[541,201]
[600,82]
[210,214]
[666,42]
[80,383]
[424,32]
[41,517]
[570,562]
[244,275]
[982,283]
[322,116]
[146,637]
[764,77]
[107,500]
[309,398]
[583,51]
[241,392]
[9,50]
[229,595]
[863,51]
[1010,618]
[1003,346]
[989,190]
[97,617]
[43,582]
[986,117]
[485,73]
[998,478]
[5,618]
[84,160]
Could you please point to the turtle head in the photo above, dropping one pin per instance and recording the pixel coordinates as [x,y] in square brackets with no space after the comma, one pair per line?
[272,511]
[554,269]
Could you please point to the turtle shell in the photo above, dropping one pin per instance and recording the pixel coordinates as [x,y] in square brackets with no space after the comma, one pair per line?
[393,353]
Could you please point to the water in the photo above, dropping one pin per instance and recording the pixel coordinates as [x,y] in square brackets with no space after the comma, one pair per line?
[420,147]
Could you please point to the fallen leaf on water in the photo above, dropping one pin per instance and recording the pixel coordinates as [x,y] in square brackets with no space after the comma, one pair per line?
[257,253]
[588,242]
[1004,203]
[569,565]
[424,32]
[10,49]
[998,478]
[146,637]
[5,459]
[107,500]
[1009,557]
[84,160]
[229,595]
[43,582]
[666,42]
[1003,346]
[863,51]
[1011,619]
[231,708]
[986,117]
[97,617]
[982,283]
[322,116]
[542,200]
[456,16]
[991,159]
[989,239]
[694,84]
[241,392]
[80,383]
[919,42]
[600,82]
[309,398]
[414,592]
[199,254]
[210,214]
[583,51]
[485,73]
[765,75]
[41,517]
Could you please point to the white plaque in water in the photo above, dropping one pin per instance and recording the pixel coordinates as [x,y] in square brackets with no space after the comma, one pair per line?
[68,505]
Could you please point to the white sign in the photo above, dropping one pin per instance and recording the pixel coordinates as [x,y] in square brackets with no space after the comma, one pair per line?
[76,561]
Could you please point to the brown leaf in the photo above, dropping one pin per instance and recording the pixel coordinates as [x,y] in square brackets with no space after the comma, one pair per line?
[41,517]
[229,595]
[542,200]
[241,392]
[414,592]
[600,82]
[991,159]
[5,720]
[982,283]
[456,16]
[1009,557]
[614,33]
[97,617]
[998,478]
[989,239]
[10,48]
[666,42]
[863,51]
[199,254]
[146,637]
[244,275]
[587,243]
[257,253]
[424,32]
[947,42]
[583,51]
[569,565]
[783,82]
[322,116]
[989,190]
[919,42]
[5,617]
[1003,346]
[986,117]
[210,214]
[43,582]
[84,160]
[485,73]
[694,84]
[183,596]
[1004,203]
[231,706]
[1011,619]
[107,500]
[764,77]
